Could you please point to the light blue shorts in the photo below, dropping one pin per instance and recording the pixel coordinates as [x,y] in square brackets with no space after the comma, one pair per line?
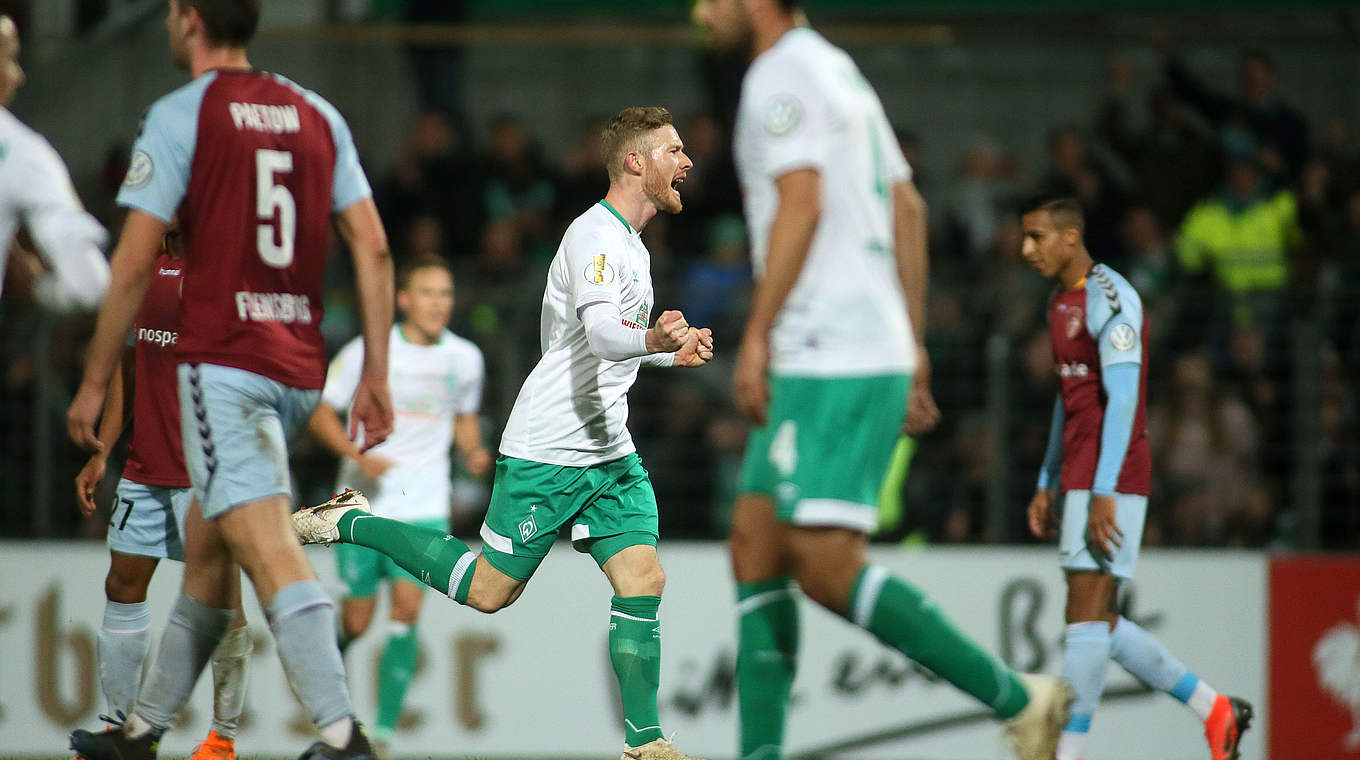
[1074,551]
[148,521]
[235,425]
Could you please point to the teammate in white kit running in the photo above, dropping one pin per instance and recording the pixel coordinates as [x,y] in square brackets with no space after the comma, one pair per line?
[436,382]
[36,195]
[566,455]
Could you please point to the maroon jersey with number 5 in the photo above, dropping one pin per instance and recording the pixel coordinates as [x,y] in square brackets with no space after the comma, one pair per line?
[254,166]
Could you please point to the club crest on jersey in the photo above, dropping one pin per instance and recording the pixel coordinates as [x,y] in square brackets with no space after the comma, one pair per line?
[528,528]
[599,271]
[782,114]
[139,170]
[1074,317]
[1122,337]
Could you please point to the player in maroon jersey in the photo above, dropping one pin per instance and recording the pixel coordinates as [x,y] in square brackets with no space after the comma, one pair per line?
[147,519]
[1098,459]
[256,167]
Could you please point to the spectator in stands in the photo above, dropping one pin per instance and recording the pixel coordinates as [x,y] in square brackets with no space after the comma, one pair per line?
[1243,237]
[1255,118]
[712,289]
[583,179]
[520,187]
[434,175]
[1173,162]
[1073,172]
[980,199]
[1206,444]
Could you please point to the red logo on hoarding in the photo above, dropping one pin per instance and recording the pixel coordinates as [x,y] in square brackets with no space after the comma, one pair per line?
[1314,657]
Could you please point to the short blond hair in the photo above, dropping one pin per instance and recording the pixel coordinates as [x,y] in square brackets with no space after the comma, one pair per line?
[625,131]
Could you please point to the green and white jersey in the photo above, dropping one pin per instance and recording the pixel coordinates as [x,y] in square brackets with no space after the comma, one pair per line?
[573,407]
[805,105]
[430,386]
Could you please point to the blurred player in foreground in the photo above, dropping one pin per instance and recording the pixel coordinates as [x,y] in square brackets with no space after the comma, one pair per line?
[436,382]
[36,196]
[835,331]
[566,454]
[146,523]
[255,167]
[1098,459]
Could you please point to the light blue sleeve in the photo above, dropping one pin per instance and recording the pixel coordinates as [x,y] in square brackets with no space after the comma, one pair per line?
[1121,403]
[1114,316]
[1052,466]
[350,184]
[158,172]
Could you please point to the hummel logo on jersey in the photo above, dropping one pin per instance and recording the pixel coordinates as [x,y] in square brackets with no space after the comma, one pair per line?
[527,529]
[1107,287]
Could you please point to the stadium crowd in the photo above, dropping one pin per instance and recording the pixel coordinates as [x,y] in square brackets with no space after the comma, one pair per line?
[1236,216]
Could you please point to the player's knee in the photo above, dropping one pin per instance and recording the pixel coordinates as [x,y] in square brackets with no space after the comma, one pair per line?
[488,600]
[125,588]
[652,581]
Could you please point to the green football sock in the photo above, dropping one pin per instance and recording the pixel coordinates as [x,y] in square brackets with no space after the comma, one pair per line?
[635,653]
[395,669]
[767,655]
[904,619]
[439,560]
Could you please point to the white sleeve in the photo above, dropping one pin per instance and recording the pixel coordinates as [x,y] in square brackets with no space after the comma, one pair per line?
[69,240]
[468,399]
[342,377]
[593,263]
[661,359]
[608,337]
[792,122]
[889,152]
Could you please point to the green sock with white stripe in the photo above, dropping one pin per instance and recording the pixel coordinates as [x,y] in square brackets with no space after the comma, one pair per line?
[439,560]
[767,655]
[904,619]
[635,653]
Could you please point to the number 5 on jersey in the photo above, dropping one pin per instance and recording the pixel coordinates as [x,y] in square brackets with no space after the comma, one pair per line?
[271,199]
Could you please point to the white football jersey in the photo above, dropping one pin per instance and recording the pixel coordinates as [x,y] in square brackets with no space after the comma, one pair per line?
[430,386]
[805,105]
[36,191]
[573,407]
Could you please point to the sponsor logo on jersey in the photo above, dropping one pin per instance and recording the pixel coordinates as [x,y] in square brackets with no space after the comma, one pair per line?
[599,271]
[638,322]
[288,308]
[1122,337]
[1068,370]
[528,528]
[139,170]
[265,118]
[160,338]
[782,114]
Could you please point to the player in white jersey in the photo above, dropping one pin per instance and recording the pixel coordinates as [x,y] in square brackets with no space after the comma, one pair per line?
[566,455]
[436,382]
[835,332]
[36,195]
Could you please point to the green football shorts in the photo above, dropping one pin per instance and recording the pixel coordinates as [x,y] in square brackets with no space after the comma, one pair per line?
[610,506]
[361,567]
[826,447]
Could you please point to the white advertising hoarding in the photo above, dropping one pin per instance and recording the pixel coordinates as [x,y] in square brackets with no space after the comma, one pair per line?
[534,680]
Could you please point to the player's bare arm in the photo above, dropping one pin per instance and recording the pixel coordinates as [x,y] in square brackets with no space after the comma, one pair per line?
[134,262]
[1041,521]
[467,439]
[913,271]
[363,232]
[795,222]
[325,425]
[117,410]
